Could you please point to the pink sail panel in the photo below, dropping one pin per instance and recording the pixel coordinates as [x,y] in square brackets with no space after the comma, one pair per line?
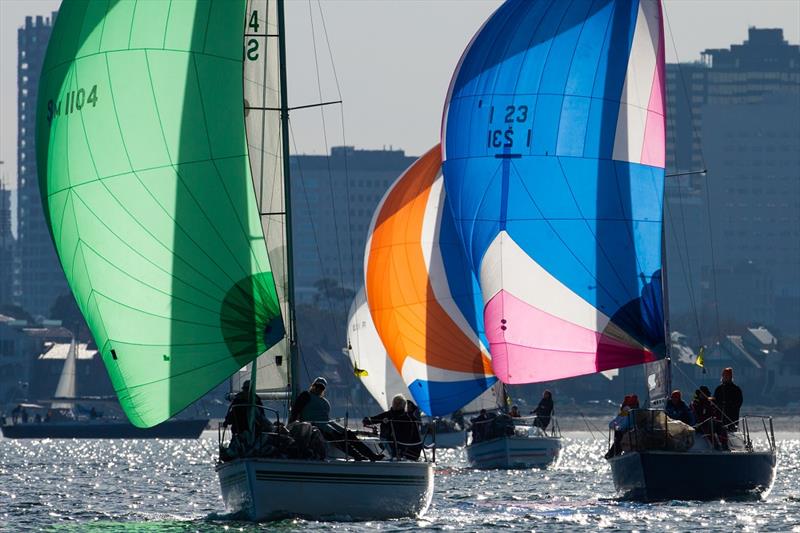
[548,347]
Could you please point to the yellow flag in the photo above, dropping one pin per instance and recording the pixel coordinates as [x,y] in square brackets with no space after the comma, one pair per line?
[360,372]
[701,361]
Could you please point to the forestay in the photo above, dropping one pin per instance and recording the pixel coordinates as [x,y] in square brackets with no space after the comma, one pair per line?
[146,184]
[422,297]
[553,147]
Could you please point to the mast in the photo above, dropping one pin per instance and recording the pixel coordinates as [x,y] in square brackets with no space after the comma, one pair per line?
[287,188]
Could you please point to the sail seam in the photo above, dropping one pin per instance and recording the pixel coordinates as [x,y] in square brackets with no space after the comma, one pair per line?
[147,169]
[141,49]
[148,285]
[246,271]
[125,242]
[592,231]
[571,252]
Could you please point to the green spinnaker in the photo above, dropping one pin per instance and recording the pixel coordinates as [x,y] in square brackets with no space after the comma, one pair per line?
[144,173]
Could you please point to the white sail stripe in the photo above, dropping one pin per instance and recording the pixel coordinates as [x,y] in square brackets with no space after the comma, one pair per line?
[492,398]
[505,266]
[632,119]
[367,352]
[417,370]
[434,263]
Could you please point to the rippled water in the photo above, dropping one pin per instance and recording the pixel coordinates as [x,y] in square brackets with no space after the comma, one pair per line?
[171,486]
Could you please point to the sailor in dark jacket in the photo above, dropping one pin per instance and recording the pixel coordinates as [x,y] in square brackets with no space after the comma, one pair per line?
[238,412]
[677,409]
[482,426]
[312,406]
[543,411]
[399,430]
[728,397]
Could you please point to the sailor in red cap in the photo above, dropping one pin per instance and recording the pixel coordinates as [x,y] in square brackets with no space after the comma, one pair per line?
[728,397]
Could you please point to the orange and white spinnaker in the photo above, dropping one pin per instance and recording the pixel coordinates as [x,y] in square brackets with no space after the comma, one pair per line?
[423,298]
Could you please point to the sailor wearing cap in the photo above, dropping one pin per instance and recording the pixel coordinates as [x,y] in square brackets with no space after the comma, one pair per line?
[311,405]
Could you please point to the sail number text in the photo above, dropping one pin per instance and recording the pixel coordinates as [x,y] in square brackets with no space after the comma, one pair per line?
[252,47]
[512,131]
[72,102]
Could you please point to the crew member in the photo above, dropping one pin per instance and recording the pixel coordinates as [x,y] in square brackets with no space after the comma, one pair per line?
[728,397]
[312,406]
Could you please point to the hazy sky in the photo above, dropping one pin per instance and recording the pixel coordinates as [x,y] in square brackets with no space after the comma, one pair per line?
[394,59]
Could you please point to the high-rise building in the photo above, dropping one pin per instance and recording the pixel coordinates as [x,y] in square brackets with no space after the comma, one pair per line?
[736,113]
[41,279]
[7,243]
[333,199]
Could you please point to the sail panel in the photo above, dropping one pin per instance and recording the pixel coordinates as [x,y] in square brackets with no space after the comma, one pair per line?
[414,301]
[145,180]
[553,146]
[368,356]
[262,97]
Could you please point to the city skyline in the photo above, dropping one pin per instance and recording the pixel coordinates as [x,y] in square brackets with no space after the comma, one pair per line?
[384,78]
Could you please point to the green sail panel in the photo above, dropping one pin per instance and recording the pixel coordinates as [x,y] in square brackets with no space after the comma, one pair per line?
[145,178]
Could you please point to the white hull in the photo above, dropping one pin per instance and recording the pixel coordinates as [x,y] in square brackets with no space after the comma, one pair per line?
[267,489]
[451,439]
[515,452]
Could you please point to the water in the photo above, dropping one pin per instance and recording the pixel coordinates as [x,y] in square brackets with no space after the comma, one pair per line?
[171,486]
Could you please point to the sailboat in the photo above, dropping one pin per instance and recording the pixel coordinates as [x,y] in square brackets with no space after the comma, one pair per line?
[375,370]
[163,157]
[64,419]
[423,301]
[554,156]
[518,446]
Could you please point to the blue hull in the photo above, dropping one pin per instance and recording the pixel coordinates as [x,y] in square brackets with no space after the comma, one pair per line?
[660,475]
[171,429]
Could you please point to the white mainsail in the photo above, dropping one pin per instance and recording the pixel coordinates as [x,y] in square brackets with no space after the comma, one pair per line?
[66,382]
[264,138]
[491,399]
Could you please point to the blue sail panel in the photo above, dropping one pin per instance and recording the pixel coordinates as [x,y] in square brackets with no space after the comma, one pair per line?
[553,162]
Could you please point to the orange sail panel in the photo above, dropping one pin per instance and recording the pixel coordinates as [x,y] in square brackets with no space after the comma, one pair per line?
[422,297]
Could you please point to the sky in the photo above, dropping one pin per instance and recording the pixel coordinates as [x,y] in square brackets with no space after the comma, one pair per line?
[393,61]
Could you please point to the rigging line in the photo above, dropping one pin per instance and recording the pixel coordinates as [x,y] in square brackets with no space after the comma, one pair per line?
[306,106]
[344,142]
[355,353]
[308,210]
[707,183]
[691,173]
[328,159]
[686,276]
[690,287]
[695,132]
